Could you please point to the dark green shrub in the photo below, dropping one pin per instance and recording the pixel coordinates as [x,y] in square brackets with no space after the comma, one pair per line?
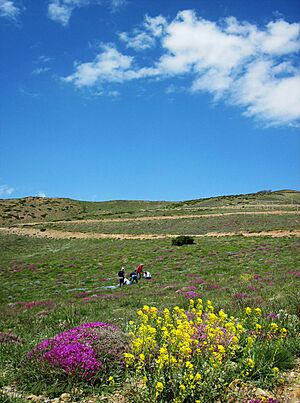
[182,240]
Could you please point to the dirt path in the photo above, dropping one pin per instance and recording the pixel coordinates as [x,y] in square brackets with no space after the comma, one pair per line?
[93,235]
[154,218]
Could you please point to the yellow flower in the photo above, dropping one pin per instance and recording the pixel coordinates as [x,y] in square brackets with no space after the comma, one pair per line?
[258,311]
[283,331]
[248,310]
[111,381]
[159,388]
[221,349]
[129,359]
[274,327]
[250,341]
[250,363]
[197,377]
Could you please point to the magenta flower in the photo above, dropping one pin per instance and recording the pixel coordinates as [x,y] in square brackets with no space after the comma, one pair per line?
[73,350]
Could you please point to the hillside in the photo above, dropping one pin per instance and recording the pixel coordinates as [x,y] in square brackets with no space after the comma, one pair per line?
[38,209]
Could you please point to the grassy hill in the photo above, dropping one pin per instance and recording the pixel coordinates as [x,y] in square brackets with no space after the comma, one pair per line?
[38,209]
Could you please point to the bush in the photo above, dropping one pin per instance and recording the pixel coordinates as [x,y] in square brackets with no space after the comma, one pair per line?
[184,355]
[182,240]
[87,352]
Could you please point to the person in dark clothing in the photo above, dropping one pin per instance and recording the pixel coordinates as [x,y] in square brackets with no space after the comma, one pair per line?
[121,276]
[133,277]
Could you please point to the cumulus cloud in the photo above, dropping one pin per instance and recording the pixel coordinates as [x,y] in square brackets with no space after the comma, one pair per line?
[41,194]
[238,62]
[5,190]
[9,10]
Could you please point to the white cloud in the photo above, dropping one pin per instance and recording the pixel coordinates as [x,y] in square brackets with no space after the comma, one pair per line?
[268,96]
[139,41]
[110,65]
[61,10]
[238,62]
[281,38]
[41,194]
[144,37]
[9,10]
[6,190]
[40,70]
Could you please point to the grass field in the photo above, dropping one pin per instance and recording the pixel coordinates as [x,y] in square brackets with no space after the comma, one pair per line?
[203,225]
[51,285]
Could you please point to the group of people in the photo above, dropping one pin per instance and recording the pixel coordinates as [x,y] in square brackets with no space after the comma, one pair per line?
[134,276]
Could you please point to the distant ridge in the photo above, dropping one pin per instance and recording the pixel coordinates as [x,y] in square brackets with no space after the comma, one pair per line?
[36,208]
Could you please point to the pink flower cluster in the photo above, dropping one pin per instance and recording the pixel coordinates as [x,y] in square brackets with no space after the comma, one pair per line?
[72,350]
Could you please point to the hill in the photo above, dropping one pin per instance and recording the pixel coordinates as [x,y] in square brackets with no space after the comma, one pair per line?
[39,209]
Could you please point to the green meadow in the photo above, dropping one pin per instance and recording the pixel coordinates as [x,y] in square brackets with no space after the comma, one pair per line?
[51,285]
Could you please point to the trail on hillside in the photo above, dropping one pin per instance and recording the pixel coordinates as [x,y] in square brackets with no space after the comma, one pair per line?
[56,234]
[157,218]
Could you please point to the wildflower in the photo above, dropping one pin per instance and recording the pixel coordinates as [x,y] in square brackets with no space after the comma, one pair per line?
[129,359]
[258,311]
[283,331]
[158,388]
[248,310]
[250,341]
[111,381]
[197,377]
[250,363]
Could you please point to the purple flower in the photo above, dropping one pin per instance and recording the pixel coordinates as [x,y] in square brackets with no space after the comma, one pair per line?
[73,350]
[272,316]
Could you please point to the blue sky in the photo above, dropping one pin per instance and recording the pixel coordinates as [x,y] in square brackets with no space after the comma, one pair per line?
[146,99]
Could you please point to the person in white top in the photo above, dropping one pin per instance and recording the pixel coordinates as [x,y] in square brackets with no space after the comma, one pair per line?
[147,275]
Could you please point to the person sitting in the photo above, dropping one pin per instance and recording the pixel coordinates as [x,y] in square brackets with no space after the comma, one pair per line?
[133,277]
[147,275]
